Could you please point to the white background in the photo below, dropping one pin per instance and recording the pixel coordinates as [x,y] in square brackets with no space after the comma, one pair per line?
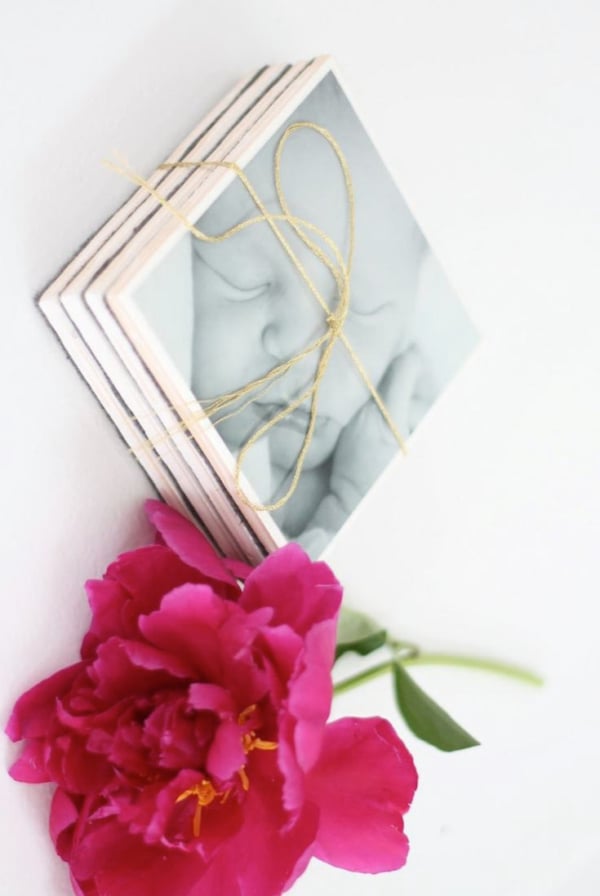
[486,538]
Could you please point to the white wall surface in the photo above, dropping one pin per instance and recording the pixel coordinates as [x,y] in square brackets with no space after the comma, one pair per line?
[487,113]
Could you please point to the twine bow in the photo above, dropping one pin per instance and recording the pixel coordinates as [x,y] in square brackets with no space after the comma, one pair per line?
[335,317]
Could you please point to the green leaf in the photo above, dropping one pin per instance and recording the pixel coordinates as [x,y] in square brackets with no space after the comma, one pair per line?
[425,718]
[359,633]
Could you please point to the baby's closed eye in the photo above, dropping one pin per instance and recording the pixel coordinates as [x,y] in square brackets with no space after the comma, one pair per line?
[237,279]
[240,294]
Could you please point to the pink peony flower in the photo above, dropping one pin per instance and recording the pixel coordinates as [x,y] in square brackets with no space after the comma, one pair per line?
[190,744]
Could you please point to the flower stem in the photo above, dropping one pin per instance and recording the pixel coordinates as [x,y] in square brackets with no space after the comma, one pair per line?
[347,684]
[439,659]
[474,662]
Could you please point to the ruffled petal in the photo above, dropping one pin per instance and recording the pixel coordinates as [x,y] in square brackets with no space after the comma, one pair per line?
[187,624]
[271,850]
[30,767]
[271,847]
[75,768]
[293,776]
[35,709]
[125,668]
[106,598]
[302,593]
[212,698]
[176,738]
[190,545]
[120,864]
[281,647]
[226,755]
[363,782]
[202,629]
[311,693]
[63,818]
[144,576]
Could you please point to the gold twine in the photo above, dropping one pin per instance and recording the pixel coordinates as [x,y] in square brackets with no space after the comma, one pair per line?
[334,318]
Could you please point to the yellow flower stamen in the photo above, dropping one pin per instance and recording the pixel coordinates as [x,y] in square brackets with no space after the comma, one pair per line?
[205,794]
[246,713]
[244,778]
[251,742]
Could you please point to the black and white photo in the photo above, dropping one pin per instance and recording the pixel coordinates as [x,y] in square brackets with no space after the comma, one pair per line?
[236,309]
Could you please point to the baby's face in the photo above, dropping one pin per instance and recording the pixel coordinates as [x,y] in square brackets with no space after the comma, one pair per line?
[252,309]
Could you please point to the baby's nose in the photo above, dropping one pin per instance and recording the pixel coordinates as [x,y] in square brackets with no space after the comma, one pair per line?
[295,318]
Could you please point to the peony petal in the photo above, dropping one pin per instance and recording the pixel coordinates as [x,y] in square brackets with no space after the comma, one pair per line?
[187,625]
[311,692]
[91,890]
[63,817]
[212,698]
[35,709]
[176,738]
[221,877]
[272,847]
[237,568]
[30,767]
[125,750]
[74,768]
[89,645]
[106,598]
[280,648]
[146,657]
[226,755]
[190,545]
[125,668]
[146,575]
[301,592]
[293,787]
[120,864]
[363,783]
[87,716]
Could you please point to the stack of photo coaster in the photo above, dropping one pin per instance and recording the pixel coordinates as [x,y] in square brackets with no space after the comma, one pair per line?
[158,321]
